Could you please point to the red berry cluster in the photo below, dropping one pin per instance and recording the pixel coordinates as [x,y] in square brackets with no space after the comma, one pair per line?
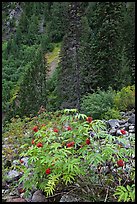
[39,144]
[87,141]
[89,119]
[35,128]
[55,130]
[69,128]
[48,171]
[32,142]
[123,132]
[70,144]
[120,163]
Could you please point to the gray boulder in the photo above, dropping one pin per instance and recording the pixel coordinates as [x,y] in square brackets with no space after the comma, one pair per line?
[13,175]
[132,119]
[38,197]
[112,132]
[122,122]
[113,123]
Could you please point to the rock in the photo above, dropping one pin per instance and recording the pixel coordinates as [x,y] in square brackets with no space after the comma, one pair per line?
[14,192]
[132,119]
[122,122]
[15,162]
[113,123]
[126,126]
[112,132]
[25,161]
[28,198]
[6,198]
[131,127]
[16,200]
[118,133]
[4,185]
[13,175]
[38,197]
[70,198]
[131,131]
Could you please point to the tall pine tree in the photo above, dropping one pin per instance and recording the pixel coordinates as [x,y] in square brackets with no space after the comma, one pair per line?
[32,92]
[106,43]
[70,71]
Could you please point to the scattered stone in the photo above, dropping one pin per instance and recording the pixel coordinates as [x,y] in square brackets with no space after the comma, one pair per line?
[15,162]
[25,161]
[14,192]
[131,131]
[132,119]
[113,123]
[38,197]
[4,185]
[70,198]
[118,133]
[13,175]
[122,122]
[28,198]
[131,127]
[112,132]
[127,146]
[16,200]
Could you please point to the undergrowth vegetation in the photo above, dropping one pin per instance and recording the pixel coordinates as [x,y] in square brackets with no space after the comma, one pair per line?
[108,104]
[66,148]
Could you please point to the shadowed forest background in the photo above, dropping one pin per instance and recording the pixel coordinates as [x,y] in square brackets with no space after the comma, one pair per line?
[55,53]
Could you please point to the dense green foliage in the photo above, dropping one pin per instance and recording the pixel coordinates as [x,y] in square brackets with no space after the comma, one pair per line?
[58,162]
[125,99]
[96,51]
[98,103]
[108,104]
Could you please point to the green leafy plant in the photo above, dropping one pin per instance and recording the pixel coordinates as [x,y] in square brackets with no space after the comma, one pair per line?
[98,103]
[125,99]
[125,194]
[112,113]
[61,152]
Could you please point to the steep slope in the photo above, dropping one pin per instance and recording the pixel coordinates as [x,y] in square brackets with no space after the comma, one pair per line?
[53,60]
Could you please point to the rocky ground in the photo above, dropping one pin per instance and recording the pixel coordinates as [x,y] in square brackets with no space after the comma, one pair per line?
[12,191]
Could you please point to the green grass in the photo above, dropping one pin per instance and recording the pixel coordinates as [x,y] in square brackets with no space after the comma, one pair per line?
[54,54]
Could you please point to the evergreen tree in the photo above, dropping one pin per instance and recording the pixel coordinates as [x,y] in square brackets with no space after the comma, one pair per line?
[33,87]
[106,45]
[58,21]
[70,73]
[128,36]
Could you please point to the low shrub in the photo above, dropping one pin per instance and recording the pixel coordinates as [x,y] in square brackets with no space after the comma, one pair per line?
[112,113]
[125,99]
[98,103]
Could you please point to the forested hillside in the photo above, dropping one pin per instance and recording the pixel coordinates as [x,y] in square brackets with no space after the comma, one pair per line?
[97,51]
[68,101]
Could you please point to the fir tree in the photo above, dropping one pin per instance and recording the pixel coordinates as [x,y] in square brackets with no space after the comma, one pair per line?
[106,45]
[33,87]
[70,73]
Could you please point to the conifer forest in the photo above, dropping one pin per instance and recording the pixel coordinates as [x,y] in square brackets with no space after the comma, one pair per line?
[68,101]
